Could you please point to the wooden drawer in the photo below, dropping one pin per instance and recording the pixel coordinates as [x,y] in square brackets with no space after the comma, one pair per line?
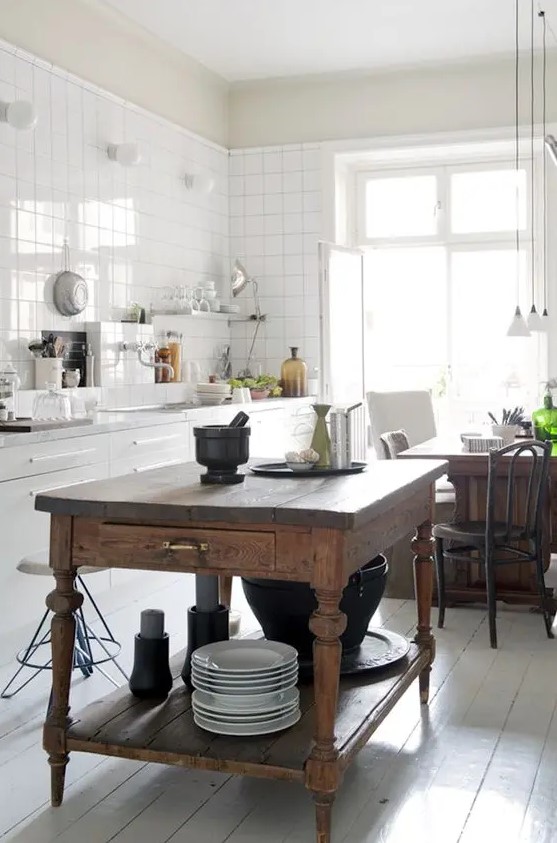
[168,548]
[62,454]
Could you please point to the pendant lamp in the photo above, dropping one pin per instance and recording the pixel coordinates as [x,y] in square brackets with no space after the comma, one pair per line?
[551,149]
[533,320]
[518,326]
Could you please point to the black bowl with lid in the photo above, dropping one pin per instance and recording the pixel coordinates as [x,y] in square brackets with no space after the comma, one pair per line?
[221,450]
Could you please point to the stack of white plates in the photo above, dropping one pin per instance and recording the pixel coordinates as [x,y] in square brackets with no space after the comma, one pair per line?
[211,394]
[230,308]
[245,687]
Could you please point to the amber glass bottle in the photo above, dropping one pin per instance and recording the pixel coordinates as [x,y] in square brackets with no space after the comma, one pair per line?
[294,376]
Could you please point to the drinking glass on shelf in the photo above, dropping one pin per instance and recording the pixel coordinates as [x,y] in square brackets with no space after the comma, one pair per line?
[194,304]
[201,300]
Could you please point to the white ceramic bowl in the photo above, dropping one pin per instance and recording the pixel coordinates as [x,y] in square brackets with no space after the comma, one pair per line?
[209,294]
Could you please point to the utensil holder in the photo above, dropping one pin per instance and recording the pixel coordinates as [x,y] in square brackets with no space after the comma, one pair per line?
[204,628]
[48,370]
[151,677]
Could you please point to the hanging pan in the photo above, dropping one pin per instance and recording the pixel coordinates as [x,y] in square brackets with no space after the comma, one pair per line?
[71,293]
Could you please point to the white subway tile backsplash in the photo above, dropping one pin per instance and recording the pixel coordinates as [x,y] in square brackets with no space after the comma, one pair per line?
[287,279]
[131,231]
[273,203]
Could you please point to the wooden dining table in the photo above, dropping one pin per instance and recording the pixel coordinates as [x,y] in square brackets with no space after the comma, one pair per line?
[515,583]
[315,530]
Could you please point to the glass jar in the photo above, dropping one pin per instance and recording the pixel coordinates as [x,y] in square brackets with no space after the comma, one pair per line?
[52,404]
[163,355]
[293,376]
[175,349]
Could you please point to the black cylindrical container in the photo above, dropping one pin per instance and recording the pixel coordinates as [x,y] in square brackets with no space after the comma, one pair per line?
[151,677]
[221,450]
[204,628]
[283,608]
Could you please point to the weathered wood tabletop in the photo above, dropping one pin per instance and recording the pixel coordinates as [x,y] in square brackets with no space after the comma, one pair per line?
[314,530]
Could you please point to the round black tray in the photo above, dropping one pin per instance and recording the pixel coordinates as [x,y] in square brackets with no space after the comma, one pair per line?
[380,648]
[280,469]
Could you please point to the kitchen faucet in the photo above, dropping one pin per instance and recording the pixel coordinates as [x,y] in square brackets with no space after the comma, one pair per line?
[147,347]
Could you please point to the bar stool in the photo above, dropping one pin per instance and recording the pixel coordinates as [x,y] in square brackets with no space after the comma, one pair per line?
[91,650]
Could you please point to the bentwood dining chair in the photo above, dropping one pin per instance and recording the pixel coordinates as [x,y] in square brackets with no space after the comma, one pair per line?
[511,532]
[393,442]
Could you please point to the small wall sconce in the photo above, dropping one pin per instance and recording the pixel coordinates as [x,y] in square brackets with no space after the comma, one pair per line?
[20,114]
[126,154]
[202,183]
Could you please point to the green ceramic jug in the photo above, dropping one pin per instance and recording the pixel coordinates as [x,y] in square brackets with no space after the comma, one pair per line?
[321,441]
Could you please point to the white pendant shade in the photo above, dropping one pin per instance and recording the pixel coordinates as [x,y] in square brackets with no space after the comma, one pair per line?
[518,326]
[534,320]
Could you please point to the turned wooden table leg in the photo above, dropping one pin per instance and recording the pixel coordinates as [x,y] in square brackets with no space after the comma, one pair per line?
[422,547]
[322,774]
[63,602]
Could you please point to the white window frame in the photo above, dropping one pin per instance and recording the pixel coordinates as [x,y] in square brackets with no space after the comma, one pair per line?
[443,173]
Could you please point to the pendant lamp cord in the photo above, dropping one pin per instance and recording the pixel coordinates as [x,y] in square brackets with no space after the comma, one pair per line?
[516,146]
[541,14]
[532,177]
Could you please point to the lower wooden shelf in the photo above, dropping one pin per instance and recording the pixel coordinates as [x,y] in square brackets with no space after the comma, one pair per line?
[123,726]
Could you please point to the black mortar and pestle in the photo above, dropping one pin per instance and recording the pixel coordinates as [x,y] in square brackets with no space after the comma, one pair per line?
[221,449]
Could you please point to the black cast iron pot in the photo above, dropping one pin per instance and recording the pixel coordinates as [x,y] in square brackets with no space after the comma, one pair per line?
[221,450]
[283,608]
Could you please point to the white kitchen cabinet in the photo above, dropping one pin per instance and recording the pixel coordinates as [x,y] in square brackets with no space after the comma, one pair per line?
[60,454]
[143,446]
[26,531]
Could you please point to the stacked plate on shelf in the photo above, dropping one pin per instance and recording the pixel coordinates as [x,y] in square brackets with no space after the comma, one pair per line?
[245,687]
[212,394]
[230,308]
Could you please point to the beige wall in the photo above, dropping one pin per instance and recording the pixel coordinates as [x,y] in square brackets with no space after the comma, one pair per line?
[101,46]
[468,96]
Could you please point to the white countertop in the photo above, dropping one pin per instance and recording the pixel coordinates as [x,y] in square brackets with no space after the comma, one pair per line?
[108,421]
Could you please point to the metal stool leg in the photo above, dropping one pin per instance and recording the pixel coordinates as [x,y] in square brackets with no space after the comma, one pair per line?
[82,651]
[29,652]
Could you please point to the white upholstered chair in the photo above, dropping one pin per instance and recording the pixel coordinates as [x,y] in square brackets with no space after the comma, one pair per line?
[410,412]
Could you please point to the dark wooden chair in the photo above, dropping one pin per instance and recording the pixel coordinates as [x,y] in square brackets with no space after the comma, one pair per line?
[511,532]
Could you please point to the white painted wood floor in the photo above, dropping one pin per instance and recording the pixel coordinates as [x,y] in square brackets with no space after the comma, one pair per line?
[480,764]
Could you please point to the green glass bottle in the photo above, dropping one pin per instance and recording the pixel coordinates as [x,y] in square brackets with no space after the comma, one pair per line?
[544,421]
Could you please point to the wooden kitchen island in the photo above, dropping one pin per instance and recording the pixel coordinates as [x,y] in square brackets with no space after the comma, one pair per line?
[311,530]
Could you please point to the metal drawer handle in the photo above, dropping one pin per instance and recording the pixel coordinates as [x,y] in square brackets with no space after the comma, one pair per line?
[156,439]
[75,453]
[141,468]
[201,547]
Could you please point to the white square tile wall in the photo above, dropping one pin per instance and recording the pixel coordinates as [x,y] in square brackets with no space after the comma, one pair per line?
[275,224]
[131,230]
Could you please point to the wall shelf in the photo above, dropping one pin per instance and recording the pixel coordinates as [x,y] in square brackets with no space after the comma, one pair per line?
[209,316]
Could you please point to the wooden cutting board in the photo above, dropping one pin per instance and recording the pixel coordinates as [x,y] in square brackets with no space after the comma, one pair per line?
[36,425]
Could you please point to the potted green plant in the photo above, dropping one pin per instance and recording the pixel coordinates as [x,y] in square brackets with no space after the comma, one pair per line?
[263,386]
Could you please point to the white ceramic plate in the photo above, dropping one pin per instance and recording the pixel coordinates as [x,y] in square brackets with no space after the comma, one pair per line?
[210,400]
[244,656]
[211,388]
[245,703]
[232,717]
[235,676]
[248,729]
[239,681]
[255,685]
[245,687]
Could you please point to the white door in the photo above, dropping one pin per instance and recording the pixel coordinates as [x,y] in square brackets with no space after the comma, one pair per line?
[341,290]
[341,296]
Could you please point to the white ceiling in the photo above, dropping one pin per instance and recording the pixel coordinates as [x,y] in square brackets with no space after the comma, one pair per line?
[249,39]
